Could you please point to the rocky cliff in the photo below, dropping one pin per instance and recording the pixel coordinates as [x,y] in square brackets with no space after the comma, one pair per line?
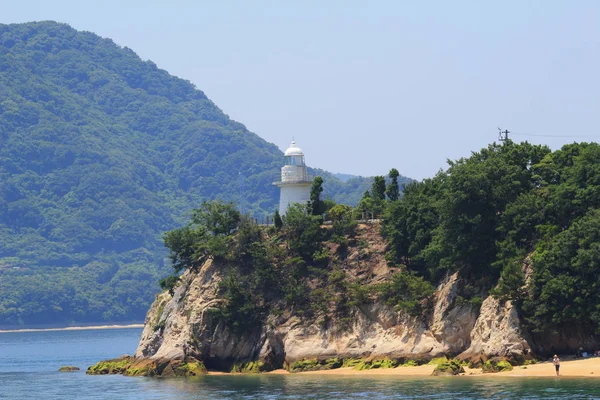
[184,326]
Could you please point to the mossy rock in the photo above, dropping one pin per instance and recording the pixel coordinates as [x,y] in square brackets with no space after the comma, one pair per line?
[363,365]
[451,367]
[492,366]
[376,364]
[138,371]
[410,363]
[438,361]
[503,366]
[194,368]
[316,365]
[252,367]
[305,365]
[333,363]
[351,362]
[108,367]
[68,368]
[129,366]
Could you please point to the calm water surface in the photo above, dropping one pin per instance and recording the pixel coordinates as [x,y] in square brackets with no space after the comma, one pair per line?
[29,363]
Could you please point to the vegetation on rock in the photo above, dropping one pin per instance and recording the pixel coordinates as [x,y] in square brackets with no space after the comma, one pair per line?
[68,368]
[451,367]
[130,366]
[495,365]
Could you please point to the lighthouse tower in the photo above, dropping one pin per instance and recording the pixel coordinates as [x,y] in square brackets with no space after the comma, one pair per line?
[294,185]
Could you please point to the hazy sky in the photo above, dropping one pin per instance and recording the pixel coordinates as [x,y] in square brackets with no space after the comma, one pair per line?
[364,86]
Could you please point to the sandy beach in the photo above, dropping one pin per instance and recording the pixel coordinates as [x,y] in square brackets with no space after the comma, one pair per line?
[76,328]
[575,368]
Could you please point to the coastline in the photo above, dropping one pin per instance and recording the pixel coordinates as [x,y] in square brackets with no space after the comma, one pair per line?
[589,368]
[73,328]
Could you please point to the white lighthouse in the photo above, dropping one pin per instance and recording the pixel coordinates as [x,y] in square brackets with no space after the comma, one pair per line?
[294,185]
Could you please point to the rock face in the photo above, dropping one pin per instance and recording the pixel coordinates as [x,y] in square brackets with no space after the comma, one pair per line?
[184,326]
[496,333]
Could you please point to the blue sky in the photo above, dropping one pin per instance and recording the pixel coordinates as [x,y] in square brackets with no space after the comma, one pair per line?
[365,86]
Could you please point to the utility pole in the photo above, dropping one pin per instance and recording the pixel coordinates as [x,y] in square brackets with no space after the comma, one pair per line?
[503,132]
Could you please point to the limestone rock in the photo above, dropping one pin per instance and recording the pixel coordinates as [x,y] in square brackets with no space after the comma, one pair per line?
[496,333]
[185,326]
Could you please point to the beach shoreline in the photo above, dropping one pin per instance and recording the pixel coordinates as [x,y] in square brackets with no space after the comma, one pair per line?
[589,368]
[73,328]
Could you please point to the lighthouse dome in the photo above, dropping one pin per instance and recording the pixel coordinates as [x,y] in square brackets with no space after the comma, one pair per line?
[294,150]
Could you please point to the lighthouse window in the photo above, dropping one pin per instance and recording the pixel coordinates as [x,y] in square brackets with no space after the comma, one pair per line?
[293,160]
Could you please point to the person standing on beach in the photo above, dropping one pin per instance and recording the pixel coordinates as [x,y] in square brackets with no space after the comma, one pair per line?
[556,362]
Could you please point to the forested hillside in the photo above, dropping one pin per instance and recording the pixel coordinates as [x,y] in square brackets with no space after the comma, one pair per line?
[101,152]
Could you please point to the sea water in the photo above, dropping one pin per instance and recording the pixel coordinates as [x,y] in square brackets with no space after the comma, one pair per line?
[29,363]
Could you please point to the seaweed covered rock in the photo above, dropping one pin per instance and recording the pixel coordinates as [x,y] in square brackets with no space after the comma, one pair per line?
[447,368]
[68,368]
[110,367]
[131,366]
[251,367]
[315,365]
[496,365]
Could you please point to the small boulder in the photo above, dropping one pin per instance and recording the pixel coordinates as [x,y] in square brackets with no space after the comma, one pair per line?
[451,367]
[68,368]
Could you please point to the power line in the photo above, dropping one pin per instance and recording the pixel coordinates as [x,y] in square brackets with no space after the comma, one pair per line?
[556,136]
[503,135]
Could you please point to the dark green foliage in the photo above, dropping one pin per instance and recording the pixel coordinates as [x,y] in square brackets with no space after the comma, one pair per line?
[219,218]
[100,153]
[303,232]
[188,246]
[566,278]
[393,189]
[406,292]
[343,222]
[277,221]
[378,195]
[169,283]
[240,312]
[484,216]
[317,206]
[378,188]
[366,206]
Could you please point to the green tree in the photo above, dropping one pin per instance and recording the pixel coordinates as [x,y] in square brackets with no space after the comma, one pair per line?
[342,220]
[277,220]
[393,190]
[187,246]
[378,188]
[217,217]
[303,232]
[365,206]
[565,288]
[317,206]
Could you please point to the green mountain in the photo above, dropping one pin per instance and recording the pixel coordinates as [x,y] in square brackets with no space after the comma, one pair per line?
[101,152]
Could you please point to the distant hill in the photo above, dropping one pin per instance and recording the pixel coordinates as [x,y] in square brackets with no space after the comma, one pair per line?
[101,152]
[344,177]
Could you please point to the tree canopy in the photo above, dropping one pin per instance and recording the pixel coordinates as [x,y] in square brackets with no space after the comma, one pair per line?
[486,214]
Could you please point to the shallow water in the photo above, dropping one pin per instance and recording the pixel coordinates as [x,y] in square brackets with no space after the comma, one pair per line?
[29,362]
